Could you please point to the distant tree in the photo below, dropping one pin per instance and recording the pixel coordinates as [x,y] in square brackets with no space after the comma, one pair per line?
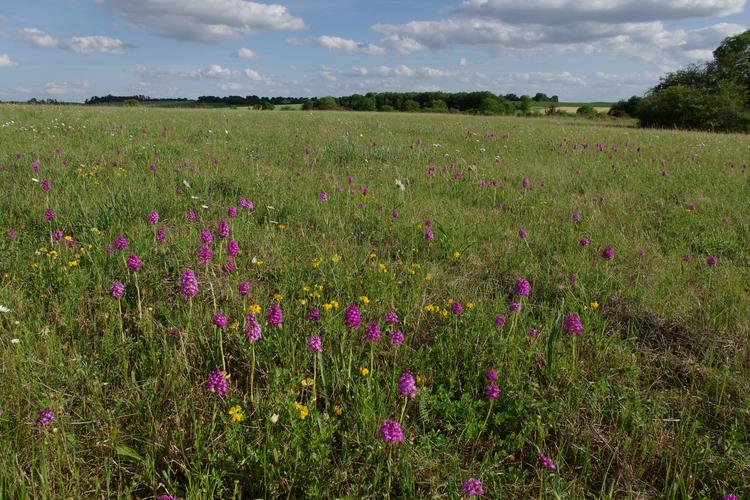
[131,103]
[712,96]
[732,59]
[410,106]
[540,97]
[525,106]
[587,110]
[626,108]
[327,103]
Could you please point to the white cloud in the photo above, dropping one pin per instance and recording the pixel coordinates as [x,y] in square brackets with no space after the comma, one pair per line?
[6,61]
[92,44]
[400,71]
[37,38]
[235,87]
[338,44]
[66,88]
[650,41]
[204,20]
[253,75]
[214,71]
[78,44]
[245,53]
[402,44]
[557,12]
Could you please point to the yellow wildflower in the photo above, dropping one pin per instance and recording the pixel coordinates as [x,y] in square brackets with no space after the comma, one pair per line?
[307,382]
[470,305]
[254,308]
[595,305]
[456,254]
[327,307]
[364,299]
[335,258]
[236,414]
[428,277]
[364,371]
[235,325]
[72,263]
[338,409]
[278,297]
[302,410]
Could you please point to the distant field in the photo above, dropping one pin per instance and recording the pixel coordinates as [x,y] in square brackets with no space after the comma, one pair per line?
[572,107]
[287,107]
[214,303]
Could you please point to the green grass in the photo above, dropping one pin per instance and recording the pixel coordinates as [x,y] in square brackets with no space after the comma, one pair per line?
[651,400]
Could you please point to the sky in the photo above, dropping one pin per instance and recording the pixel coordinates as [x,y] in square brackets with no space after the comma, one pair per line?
[580,50]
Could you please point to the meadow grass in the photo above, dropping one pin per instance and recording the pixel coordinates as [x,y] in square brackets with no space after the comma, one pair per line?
[649,401]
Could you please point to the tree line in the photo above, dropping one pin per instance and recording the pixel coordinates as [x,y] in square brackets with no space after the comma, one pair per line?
[714,95]
[460,102]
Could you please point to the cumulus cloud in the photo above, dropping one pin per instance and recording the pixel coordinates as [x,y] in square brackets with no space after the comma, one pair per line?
[633,28]
[204,20]
[338,44]
[6,61]
[557,12]
[92,44]
[245,53]
[212,72]
[402,71]
[643,40]
[37,38]
[78,44]
[402,44]
[253,75]
[66,88]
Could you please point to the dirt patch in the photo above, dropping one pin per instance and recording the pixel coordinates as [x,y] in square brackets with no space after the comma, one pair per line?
[656,333]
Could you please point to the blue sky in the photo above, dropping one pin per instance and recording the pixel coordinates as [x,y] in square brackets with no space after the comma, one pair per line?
[577,49]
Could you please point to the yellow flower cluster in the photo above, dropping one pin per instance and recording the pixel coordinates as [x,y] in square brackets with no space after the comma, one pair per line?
[313,292]
[433,309]
[316,262]
[330,305]
[364,299]
[302,410]
[84,171]
[335,258]
[237,414]
[364,371]
[50,254]
[307,382]
[254,308]
[277,297]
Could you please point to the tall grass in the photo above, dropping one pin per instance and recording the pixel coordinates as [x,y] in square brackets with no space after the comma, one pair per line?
[651,400]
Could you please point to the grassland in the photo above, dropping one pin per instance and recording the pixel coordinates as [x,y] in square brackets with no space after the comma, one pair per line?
[649,401]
